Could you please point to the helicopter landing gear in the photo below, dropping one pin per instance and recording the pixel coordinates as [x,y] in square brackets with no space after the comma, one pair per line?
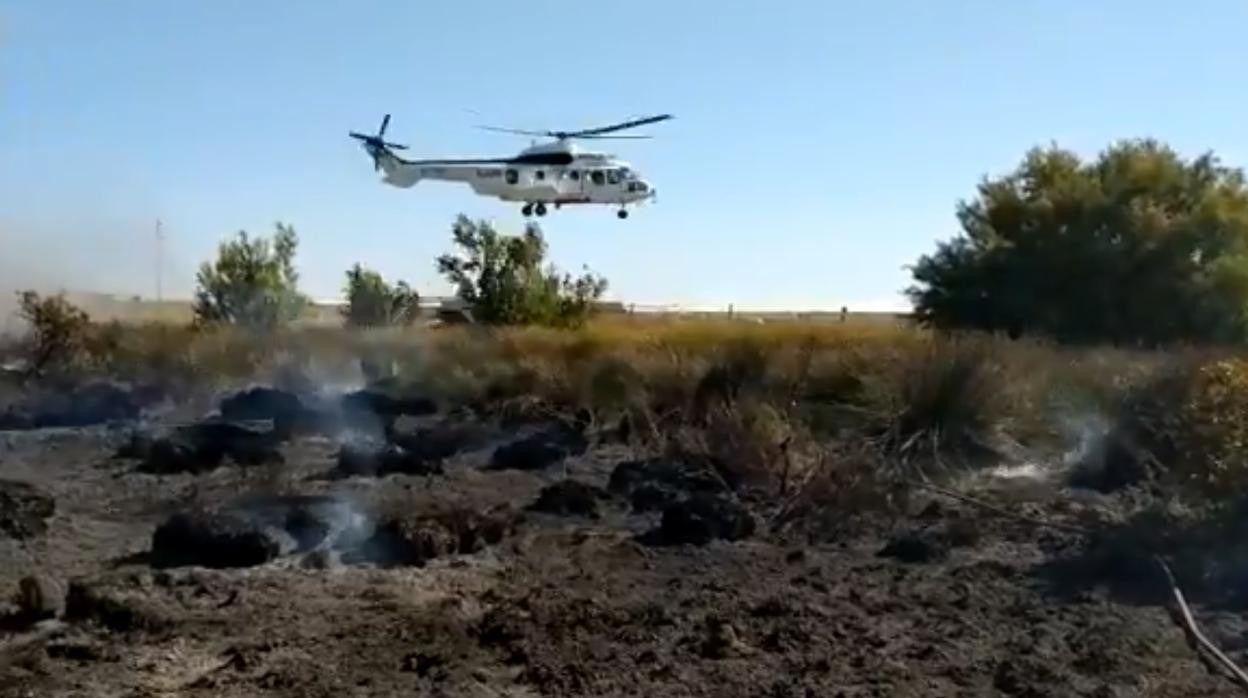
[621,214]
[526,210]
[540,209]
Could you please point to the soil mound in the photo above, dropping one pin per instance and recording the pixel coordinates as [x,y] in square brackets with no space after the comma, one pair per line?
[405,539]
[202,447]
[311,521]
[262,403]
[701,519]
[917,547]
[379,461]
[387,405]
[212,539]
[570,498]
[88,405]
[24,510]
[540,450]
[656,483]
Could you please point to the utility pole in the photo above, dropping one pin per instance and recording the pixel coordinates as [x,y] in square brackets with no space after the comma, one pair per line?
[160,261]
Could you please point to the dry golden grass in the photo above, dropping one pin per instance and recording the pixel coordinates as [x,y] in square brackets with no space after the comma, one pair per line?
[778,401]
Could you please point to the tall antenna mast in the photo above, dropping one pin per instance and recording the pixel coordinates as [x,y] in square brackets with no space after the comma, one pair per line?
[160,262]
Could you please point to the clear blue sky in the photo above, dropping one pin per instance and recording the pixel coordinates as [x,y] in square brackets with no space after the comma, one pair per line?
[819,147]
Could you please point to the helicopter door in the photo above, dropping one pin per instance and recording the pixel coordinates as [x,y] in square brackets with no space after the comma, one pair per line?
[576,184]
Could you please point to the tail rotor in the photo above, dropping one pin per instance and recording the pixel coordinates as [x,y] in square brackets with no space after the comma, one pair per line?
[376,145]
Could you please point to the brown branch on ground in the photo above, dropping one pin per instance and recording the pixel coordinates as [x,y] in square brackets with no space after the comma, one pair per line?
[999,510]
[1195,638]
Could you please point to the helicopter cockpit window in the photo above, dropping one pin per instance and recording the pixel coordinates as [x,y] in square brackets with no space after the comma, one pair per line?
[597,177]
[613,176]
[511,176]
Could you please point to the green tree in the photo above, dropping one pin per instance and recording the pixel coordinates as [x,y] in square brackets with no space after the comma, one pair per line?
[252,282]
[371,302]
[1137,246]
[503,279]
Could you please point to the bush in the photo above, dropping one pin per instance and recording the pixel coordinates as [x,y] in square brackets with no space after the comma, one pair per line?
[502,278]
[944,399]
[1138,246]
[371,302]
[1187,426]
[1213,448]
[252,283]
[59,331]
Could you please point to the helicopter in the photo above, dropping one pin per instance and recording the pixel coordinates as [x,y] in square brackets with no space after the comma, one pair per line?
[550,174]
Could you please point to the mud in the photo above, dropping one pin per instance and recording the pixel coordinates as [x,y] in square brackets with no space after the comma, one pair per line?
[276,580]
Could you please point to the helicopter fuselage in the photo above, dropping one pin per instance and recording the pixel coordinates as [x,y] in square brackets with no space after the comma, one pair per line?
[554,174]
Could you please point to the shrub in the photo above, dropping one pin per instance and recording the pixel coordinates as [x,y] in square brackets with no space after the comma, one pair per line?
[252,282]
[945,399]
[1187,426]
[1212,434]
[503,279]
[59,331]
[371,302]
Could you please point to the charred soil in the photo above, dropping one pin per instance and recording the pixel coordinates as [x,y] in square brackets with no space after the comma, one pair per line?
[478,561]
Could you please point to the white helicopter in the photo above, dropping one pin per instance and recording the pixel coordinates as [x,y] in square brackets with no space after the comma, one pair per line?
[546,174]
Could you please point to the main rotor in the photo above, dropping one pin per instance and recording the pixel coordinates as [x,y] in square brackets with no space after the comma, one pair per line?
[600,132]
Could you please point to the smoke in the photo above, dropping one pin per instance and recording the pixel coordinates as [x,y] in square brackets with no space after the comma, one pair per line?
[306,522]
[1083,435]
[1085,432]
[81,253]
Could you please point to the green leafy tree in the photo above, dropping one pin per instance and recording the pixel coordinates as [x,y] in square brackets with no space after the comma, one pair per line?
[1138,246]
[371,302]
[503,279]
[252,282]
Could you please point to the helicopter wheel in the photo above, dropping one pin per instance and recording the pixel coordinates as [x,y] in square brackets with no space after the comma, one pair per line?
[527,210]
[621,214]
[540,209]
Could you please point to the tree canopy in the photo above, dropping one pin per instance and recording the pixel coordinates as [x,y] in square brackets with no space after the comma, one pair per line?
[1138,246]
[371,302]
[503,279]
[252,282]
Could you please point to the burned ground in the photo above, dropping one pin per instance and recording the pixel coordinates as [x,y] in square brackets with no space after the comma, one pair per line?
[565,566]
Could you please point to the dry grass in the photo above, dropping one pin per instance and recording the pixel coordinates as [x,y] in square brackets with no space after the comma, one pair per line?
[811,411]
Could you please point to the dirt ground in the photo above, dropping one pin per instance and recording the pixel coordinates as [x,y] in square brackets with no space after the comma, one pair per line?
[562,605]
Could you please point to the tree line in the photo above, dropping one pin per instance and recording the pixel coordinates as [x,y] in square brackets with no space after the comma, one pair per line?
[504,279]
[1136,246]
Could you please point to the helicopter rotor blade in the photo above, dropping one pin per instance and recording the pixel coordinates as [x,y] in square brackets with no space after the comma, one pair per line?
[616,127]
[613,138]
[517,131]
[599,132]
[385,121]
